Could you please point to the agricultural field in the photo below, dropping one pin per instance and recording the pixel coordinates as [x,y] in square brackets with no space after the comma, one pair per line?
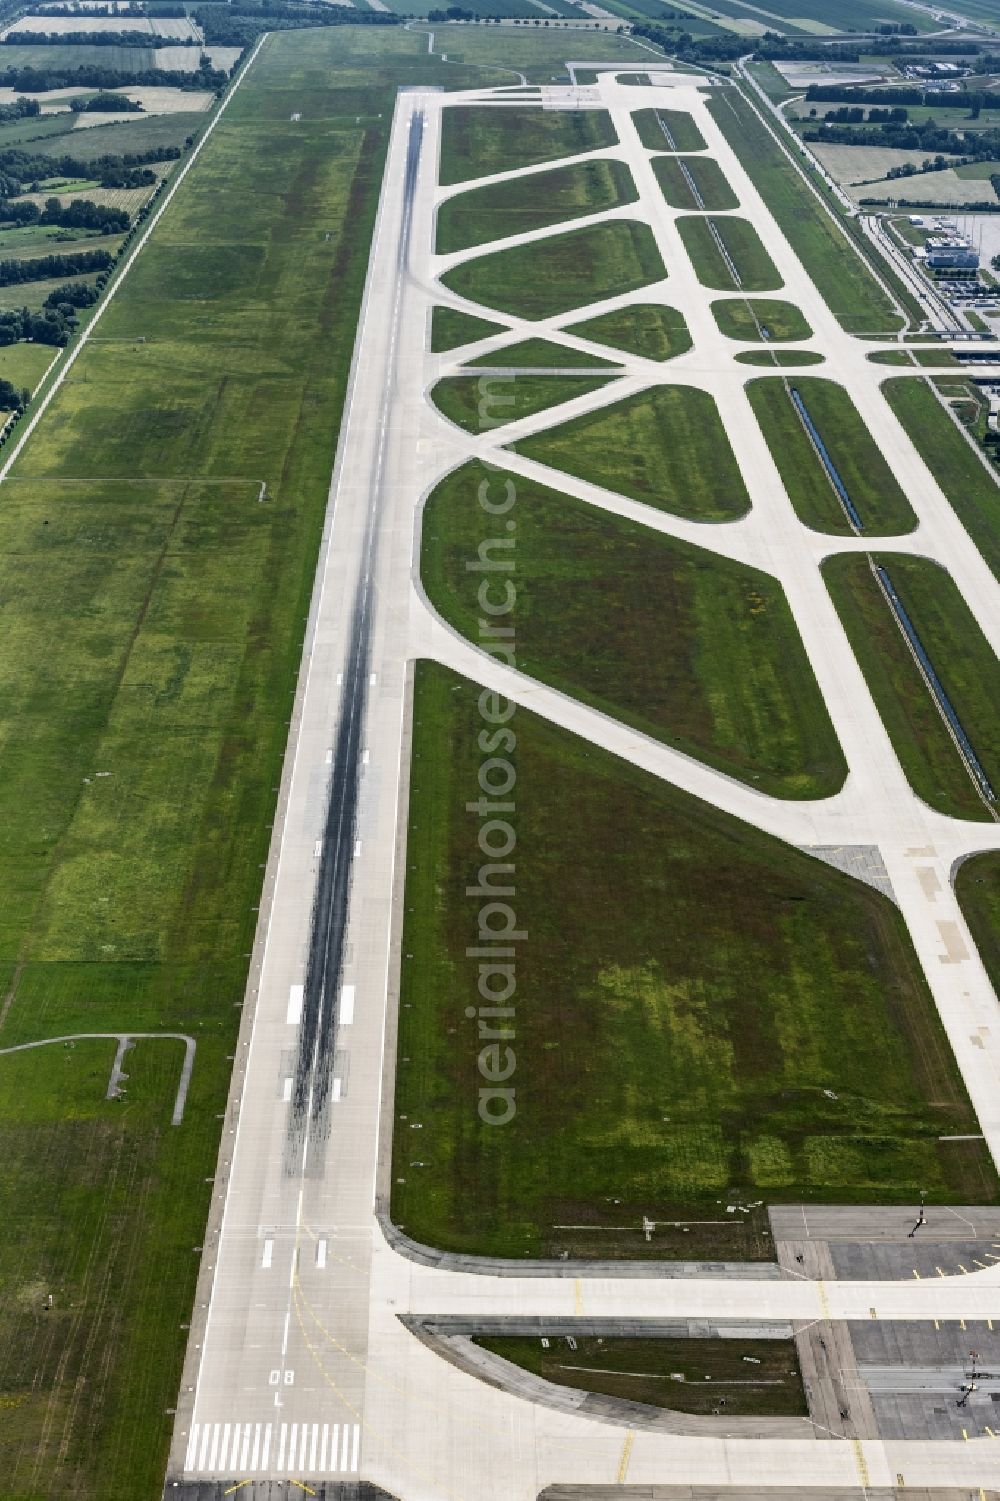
[968,482]
[962,658]
[754,267]
[478,142]
[681,1375]
[555,275]
[138,133]
[502,209]
[870,483]
[686,646]
[153,630]
[649,329]
[55,25]
[839,272]
[748,980]
[709,181]
[460,398]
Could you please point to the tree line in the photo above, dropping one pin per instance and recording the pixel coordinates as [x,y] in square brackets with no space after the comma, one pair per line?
[106,104]
[47,267]
[22,170]
[54,323]
[976,146]
[96,39]
[82,213]
[29,80]
[240,24]
[972,99]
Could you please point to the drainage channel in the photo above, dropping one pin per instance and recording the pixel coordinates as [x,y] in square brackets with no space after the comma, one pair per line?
[723,251]
[918,651]
[935,687]
[849,508]
[699,201]
[666,131]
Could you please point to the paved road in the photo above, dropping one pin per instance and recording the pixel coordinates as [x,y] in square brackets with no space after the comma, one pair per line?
[299,1365]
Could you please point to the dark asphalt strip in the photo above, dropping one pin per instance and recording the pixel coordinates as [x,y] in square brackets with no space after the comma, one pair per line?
[311,1089]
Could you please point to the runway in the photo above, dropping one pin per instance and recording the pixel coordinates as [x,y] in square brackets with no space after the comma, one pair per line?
[298,1365]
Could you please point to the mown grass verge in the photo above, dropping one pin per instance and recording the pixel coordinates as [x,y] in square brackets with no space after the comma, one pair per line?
[708,179]
[684,132]
[542,353]
[502,209]
[561,272]
[759,1028]
[755,268]
[665,446]
[871,484]
[779,357]
[742,318]
[477,142]
[680,1375]
[451,328]
[688,647]
[649,329]
[962,658]
[972,489]
[841,275]
[977,886]
[479,403]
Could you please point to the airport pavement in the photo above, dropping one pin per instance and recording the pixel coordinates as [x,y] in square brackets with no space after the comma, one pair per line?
[299,1365]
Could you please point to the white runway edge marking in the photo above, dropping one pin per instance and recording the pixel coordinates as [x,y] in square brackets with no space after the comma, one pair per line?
[294,1013]
[336,1089]
[346,1013]
[286,1089]
[245,1448]
[266,1258]
[321,1252]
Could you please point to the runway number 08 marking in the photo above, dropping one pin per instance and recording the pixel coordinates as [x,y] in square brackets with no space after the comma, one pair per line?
[279,1377]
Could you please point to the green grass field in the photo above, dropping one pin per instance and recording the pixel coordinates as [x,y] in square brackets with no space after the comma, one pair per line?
[969,485]
[665,446]
[153,619]
[450,329]
[756,271]
[977,886]
[669,1062]
[686,646]
[479,403]
[685,133]
[743,318]
[778,358]
[961,655]
[681,1375]
[25,364]
[708,179]
[566,271]
[540,54]
[840,275]
[538,201]
[650,329]
[541,353]
[476,142]
[141,134]
[870,483]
